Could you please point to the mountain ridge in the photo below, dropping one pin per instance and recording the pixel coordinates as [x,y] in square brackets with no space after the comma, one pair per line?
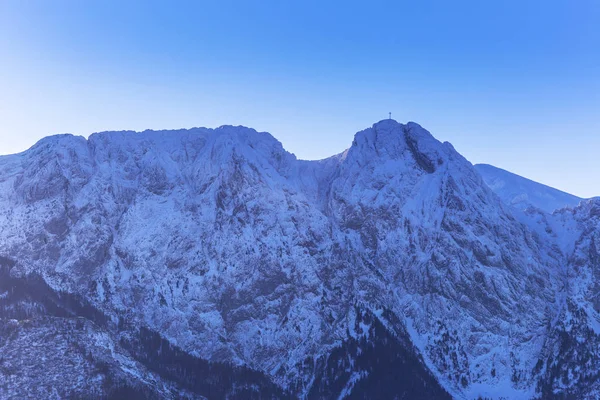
[234,251]
[521,192]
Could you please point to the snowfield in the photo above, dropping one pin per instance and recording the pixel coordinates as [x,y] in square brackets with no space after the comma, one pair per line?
[522,193]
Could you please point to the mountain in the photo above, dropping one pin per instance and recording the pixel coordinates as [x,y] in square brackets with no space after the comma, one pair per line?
[521,192]
[211,263]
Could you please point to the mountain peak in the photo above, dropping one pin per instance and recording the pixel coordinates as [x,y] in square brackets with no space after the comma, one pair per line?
[220,241]
[387,121]
[389,139]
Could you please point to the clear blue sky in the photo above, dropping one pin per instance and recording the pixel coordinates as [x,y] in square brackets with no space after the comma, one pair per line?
[511,83]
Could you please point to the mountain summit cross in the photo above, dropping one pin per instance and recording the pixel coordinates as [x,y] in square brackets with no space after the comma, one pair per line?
[390,115]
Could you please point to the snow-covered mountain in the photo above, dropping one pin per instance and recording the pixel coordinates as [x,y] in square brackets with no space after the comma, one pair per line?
[521,192]
[213,263]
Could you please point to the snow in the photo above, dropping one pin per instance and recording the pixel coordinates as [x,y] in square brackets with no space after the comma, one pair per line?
[236,251]
[521,192]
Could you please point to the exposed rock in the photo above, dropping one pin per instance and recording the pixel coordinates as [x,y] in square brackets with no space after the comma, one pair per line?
[390,269]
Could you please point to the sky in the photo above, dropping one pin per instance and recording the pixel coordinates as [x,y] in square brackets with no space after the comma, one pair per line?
[515,84]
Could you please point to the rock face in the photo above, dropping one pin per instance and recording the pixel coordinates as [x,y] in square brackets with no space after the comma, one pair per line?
[213,263]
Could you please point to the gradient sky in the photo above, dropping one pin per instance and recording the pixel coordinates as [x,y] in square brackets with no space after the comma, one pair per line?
[511,83]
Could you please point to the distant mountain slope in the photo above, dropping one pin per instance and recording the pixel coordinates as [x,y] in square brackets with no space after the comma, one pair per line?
[521,193]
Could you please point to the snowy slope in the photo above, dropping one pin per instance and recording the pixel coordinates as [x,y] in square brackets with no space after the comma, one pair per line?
[521,192]
[224,248]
